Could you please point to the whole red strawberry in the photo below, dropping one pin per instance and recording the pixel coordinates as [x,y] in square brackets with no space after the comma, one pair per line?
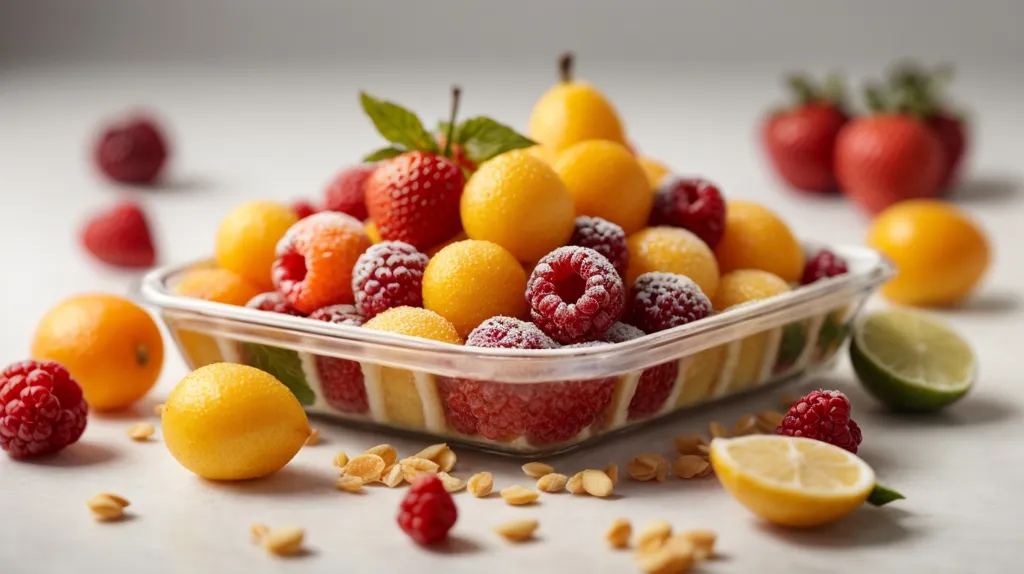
[120,236]
[132,151]
[347,191]
[800,140]
[427,512]
[41,409]
[303,208]
[888,157]
[825,416]
[459,154]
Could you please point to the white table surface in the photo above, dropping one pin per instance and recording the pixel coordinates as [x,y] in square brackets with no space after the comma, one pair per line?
[280,134]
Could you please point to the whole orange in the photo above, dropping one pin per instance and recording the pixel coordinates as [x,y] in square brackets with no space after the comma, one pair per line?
[110,345]
[672,250]
[940,253]
[607,181]
[217,285]
[247,238]
[756,238]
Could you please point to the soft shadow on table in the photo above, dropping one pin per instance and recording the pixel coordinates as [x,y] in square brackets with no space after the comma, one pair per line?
[289,481]
[987,188]
[975,409]
[82,453]
[989,303]
[140,410]
[865,527]
[456,544]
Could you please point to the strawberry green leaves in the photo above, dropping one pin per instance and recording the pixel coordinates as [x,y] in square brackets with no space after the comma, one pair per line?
[880,496]
[398,125]
[484,138]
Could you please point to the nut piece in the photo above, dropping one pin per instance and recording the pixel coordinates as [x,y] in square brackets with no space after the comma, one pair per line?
[746,425]
[451,484]
[340,459]
[107,507]
[646,467]
[537,469]
[284,541]
[653,536]
[439,454]
[703,543]
[258,531]
[313,438]
[718,430]
[689,443]
[480,484]
[141,431]
[669,559]
[386,452]
[597,483]
[618,533]
[519,495]
[349,483]
[368,467]
[415,467]
[393,476]
[575,484]
[553,482]
[768,421]
[158,409]
[612,470]
[690,466]
[518,530]
[703,450]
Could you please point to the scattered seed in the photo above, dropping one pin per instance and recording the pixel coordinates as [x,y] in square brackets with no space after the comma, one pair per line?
[703,543]
[518,530]
[575,484]
[553,482]
[768,421]
[703,450]
[141,431]
[451,483]
[688,444]
[440,455]
[618,533]
[597,483]
[718,430]
[746,425]
[645,467]
[689,466]
[349,483]
[117,498]
[665,560]
[158,409]
[386,452]
[107,507]
[393,476]
[480,484]
[340,459]
[415,467]
[258,531]
[368,467]
[519,495]
[313,438]
[284,541]
[612,470]
[653,536]
[661,473]
[537,469]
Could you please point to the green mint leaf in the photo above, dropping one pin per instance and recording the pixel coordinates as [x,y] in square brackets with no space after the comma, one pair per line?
[485,138]
[283,364]
[383,153]
[880,496]
[397,124]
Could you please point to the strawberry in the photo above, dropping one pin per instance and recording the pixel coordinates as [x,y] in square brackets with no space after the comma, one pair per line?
[800,140]
[888,157]
[347,191]
[120,236]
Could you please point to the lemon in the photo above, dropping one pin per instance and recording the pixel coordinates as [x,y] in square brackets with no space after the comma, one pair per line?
[792,481]
[606,181]
[233,422]
[247,239]
[571,112]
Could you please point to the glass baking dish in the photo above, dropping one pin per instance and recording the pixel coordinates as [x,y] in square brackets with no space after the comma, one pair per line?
[405,384]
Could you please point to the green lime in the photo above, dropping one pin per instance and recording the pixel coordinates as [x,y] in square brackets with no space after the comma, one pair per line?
[912,361]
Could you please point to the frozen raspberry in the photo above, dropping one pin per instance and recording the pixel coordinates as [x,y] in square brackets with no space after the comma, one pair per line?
[347,191]
[824,416]
[622,332]
[41,409]
[694,204]
[303,208]
[655,383]
[508,333]
[273,302]
[341,380]
[660,301]
[132,151]
[823,265]
[604,237]
[388,274]
[575,294]
[427,512]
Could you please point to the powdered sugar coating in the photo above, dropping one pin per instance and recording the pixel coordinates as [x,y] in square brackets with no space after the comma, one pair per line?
[274,302]
[339,314]
[311,226]
[509,333]
[388,274]
[621,332]
[602,236]
[660,301]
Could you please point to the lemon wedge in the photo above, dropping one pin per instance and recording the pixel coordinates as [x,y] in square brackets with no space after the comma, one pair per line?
[792,481]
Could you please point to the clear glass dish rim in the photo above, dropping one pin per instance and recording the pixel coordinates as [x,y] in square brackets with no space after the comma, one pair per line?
[518,365]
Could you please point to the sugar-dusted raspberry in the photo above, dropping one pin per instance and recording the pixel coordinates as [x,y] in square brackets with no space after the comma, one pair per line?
[575,294]
[388,274]
[622,332]
[655,384]
[303,208]
[825,416]
[660,301]
[341,380]
[509,333]
[42,409]
[823,265]
[427,512]
[347,191]
[694,204]
[274,302]
[132,151]
[604,237]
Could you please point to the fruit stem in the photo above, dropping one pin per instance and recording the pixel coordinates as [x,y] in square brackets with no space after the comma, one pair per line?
[875,99]
[141,355]
[456,93]
[835,89]
[802,87]
[565,67]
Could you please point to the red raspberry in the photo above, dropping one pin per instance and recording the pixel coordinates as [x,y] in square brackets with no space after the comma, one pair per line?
[622,332]
[694,204]
[340,314]
[131,151]
[388,274]
[508,333]
[655,383]
[341,380]
[303,208]
[825,416]
[273,302]
[41,409]
[604,237]
[120,236]
[823,265]
[427,512]
[347,191]
[660,301]
[575,294]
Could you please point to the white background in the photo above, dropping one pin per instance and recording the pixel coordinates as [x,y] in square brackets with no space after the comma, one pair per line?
[261,102]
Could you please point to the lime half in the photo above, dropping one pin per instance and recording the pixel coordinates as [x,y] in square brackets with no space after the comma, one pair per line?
[912,361]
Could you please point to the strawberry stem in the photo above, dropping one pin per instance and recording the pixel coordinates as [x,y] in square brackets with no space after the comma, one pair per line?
[801,86]
[875,98]
[565,67]
[456,93]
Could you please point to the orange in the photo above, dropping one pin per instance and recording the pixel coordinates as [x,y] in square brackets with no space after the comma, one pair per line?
[110,345]
[217,285]
[672,250]
[606,181]
[415,322]
[756,238]
[654,169]
[745,285]
[544,153]
[433,250]
[247,239]
[940,253]
[517,201]
[471,281]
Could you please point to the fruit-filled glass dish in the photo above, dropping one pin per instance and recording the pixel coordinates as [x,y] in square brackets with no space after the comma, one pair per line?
[524,402]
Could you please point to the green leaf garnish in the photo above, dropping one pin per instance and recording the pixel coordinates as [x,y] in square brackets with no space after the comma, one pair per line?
[880,496]
[283,364]
[383,153]
[397,124]
[484,138]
